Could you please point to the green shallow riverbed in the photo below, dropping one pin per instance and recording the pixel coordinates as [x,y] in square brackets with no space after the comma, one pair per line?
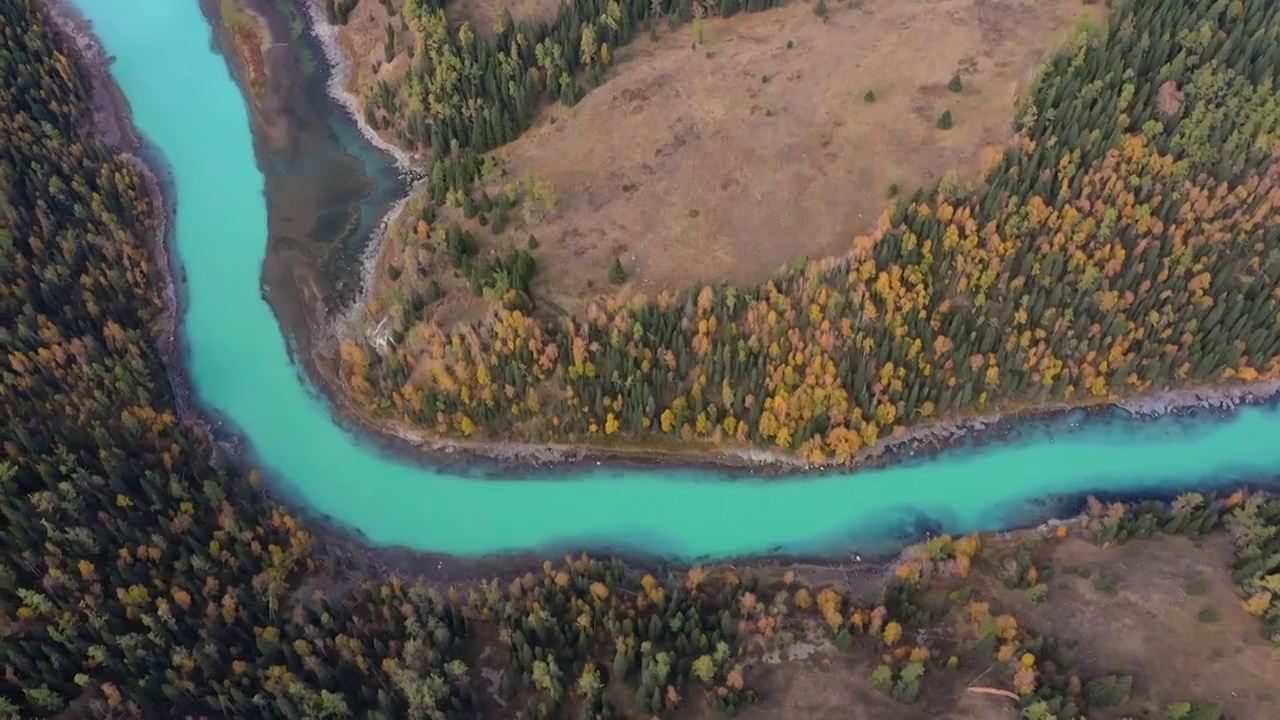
[187,105]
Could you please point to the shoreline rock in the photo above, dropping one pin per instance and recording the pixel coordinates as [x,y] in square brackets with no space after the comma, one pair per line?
[1175,401]
[342,322]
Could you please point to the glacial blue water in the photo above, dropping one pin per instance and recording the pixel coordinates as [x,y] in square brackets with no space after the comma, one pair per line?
[186,103]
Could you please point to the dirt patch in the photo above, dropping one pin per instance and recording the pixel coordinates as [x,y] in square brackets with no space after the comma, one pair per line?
[1144,608]
[837,686]
[728,161]
[487,15]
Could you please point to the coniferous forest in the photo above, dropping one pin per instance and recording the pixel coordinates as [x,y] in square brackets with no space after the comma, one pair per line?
[138,579]
[469,91]
[1126,243]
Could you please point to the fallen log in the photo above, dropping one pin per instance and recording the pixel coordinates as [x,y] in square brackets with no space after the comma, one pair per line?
[981,690]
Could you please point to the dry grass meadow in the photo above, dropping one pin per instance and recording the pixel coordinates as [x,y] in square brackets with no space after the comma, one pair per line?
[1136,608]
[728,161]
[757,148]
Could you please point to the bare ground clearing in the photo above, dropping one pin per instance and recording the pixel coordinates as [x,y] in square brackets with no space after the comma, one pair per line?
[1133,608]
[1137,608]
[837,686]
[734,159]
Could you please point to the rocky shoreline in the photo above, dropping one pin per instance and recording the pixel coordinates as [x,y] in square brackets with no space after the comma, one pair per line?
[344,323]
[1179,401]
[111,116]
[326,34]
[916,444]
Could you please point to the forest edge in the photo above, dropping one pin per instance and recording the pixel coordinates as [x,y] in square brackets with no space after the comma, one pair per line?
[113,122]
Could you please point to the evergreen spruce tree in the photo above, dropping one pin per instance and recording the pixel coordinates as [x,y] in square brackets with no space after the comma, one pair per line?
[617,274]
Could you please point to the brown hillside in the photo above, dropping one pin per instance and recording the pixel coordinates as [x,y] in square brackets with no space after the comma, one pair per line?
[731,160]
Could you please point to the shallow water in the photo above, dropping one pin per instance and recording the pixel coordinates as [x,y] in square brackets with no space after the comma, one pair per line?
[186,103]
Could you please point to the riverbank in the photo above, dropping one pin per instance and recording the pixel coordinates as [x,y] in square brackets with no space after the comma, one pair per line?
[504,459]
[339,84]
[327,188]
[113,123]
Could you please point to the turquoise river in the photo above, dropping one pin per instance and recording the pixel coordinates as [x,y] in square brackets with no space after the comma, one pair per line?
[186,103]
